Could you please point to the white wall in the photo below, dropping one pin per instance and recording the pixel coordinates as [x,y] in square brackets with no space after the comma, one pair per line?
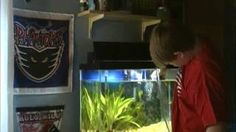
[6,57]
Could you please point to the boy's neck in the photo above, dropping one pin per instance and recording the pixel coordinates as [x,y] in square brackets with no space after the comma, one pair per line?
[197,48]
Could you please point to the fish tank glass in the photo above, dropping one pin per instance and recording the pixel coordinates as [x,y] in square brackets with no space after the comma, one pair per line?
[125,100]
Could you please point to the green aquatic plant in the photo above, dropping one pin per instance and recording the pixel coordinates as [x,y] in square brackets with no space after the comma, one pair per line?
[108,110]
[91,110]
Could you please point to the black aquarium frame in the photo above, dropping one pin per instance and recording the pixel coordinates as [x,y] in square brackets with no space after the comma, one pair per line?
[119,55]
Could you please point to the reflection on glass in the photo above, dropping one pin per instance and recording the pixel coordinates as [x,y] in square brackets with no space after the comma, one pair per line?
[125,100]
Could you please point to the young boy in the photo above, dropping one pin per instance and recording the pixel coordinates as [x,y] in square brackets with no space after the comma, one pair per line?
[199,103]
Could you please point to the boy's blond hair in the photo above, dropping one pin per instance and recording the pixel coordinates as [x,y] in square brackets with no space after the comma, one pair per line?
[167,39]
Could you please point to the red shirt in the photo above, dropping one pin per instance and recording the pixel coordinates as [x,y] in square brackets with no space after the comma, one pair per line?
[199,96]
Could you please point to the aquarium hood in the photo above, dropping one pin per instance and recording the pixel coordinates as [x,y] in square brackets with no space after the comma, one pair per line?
[119,55]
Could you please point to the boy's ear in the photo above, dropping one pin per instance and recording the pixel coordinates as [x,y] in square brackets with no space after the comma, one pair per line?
[179,55]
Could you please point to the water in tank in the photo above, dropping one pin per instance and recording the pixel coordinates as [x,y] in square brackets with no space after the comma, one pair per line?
[125,100]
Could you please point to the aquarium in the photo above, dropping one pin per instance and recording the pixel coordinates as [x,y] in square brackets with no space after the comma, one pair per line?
[125,100]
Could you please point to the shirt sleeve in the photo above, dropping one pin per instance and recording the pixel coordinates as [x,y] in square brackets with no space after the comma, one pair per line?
[209,99]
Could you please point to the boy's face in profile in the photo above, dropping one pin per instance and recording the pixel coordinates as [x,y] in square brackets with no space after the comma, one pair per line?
[181,58]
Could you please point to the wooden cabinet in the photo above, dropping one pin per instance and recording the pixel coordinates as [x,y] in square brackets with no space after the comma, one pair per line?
[206,17]
[216,19]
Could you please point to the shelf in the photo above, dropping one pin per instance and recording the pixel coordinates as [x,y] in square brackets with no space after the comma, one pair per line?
[144,21]
[91,17]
